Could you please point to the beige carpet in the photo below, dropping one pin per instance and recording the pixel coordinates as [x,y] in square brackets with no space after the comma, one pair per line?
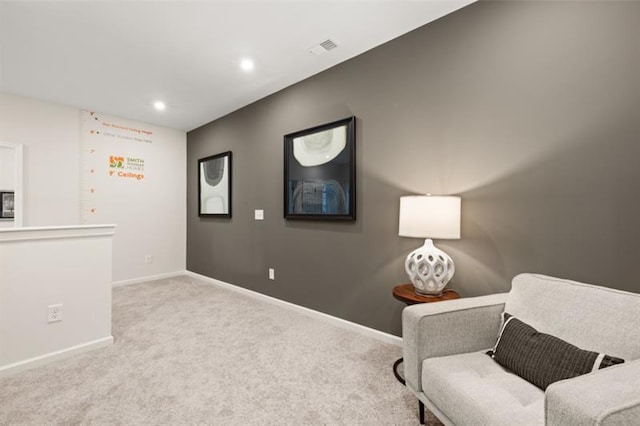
[187,352]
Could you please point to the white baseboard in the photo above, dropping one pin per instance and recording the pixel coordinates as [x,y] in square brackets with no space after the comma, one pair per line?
[7,370]
[376,334]
[148,278]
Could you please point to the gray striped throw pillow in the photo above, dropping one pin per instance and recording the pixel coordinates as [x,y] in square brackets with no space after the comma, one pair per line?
[542,359]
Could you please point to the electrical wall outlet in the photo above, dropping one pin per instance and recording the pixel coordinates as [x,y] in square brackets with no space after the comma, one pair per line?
[55,313]
[258,214]
[272,274]
[148,258]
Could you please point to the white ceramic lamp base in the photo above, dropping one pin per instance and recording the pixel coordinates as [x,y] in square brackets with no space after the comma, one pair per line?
[429,269]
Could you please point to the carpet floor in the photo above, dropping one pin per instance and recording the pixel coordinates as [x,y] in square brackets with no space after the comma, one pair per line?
[187,352]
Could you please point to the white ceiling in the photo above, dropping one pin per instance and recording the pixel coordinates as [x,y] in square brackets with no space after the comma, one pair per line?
[119,57]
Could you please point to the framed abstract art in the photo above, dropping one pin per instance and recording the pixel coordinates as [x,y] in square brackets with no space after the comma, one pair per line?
[319,172]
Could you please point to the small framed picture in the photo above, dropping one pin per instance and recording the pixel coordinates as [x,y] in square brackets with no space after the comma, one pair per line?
[320,172]
[7,204]
[214,185]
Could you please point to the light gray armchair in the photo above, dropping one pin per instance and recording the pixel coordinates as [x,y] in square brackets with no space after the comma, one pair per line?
[446,366]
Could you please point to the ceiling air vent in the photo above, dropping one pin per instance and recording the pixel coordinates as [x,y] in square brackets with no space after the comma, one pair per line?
[323,47]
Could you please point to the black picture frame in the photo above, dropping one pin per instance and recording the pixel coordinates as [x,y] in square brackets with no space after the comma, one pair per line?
[215,174]
[320,172]
[7,205]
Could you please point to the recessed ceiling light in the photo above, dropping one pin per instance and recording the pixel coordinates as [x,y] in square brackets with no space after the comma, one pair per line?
[159,105]
[247,65]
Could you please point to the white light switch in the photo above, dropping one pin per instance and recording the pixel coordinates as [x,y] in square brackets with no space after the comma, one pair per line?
[259,215]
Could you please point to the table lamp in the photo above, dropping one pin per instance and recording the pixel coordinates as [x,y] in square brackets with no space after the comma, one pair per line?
[429,216]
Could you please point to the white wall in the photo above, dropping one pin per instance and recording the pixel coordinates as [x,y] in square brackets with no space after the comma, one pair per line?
[49,134]
[50,266]
[151,216]
[7,169]
[146,199]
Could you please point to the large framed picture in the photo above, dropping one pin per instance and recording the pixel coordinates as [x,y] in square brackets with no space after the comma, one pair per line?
[7,199]
[214,185]
[320,172]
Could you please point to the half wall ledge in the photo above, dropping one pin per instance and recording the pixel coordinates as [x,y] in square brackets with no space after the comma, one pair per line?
[65,266]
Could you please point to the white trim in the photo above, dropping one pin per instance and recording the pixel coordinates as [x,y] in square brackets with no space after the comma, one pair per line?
[339,322]
[26,364]
[148,278]
[55,232]
[597,362]
[67,227]
[495,348]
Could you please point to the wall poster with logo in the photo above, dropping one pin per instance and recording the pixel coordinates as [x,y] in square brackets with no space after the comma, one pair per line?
[114,163]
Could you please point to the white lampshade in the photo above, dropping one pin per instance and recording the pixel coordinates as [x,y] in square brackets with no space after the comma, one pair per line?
[430,216]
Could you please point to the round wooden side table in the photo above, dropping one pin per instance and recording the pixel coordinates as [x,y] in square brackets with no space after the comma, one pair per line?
[406,294]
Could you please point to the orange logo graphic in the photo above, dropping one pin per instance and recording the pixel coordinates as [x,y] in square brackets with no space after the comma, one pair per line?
[116,162]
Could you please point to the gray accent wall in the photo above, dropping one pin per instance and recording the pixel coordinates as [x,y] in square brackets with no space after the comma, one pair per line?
[530,111]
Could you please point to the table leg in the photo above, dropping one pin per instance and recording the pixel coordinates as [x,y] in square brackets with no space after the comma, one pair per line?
[395,371]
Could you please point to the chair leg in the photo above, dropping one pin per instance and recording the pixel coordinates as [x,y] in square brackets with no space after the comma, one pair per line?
[421,409]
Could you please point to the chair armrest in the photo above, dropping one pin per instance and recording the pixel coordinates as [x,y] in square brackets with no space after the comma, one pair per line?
[447,328]
[610,396]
